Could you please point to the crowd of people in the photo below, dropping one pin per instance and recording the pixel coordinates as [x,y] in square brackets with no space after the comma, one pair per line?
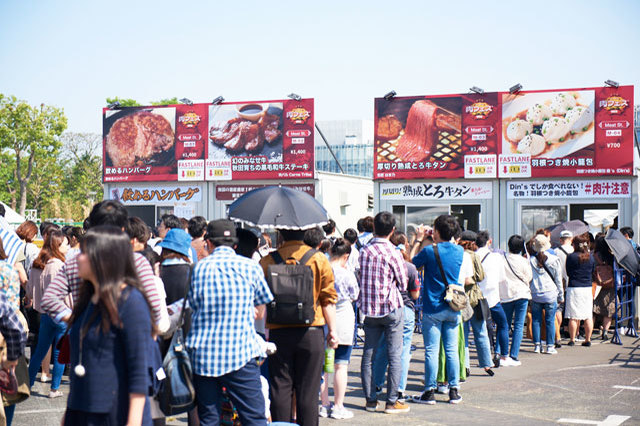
[102,302]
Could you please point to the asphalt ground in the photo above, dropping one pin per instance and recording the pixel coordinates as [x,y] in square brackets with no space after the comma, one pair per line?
[578,386]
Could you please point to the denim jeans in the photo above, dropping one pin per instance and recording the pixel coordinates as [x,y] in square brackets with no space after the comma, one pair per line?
[50,333]
[481,339]
[244,389]
[442,325]
[502,330]
[391,326]
[516,311]
[381,360]
[549,320]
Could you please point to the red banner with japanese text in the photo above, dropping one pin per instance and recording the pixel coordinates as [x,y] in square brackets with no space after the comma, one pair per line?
[240,140]
[545,133]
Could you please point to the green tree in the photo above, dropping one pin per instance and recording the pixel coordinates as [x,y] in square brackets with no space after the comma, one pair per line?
[166,101]
[30,133]
[124,102]
[8,181]
[82,153]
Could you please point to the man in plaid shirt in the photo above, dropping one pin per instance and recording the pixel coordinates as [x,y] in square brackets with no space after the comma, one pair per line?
[383,275]
[227,292]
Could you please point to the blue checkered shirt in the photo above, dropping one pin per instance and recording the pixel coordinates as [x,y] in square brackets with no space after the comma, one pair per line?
[224,290]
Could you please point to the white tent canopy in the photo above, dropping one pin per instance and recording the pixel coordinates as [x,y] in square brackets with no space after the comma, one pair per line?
[12,216]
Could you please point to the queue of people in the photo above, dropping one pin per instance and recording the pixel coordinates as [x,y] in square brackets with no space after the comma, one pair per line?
[104,302]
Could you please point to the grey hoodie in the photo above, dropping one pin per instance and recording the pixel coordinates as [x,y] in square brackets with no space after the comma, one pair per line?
[545,288]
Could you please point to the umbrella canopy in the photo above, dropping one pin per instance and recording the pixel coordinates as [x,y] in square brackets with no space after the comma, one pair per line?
[577,227]
[278,207]
[622,250]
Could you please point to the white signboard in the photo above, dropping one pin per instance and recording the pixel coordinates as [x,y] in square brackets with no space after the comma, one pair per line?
[150,194]
[218,169]
[514,166]
[592,189]
[190,170]
[436,191]
[480,166]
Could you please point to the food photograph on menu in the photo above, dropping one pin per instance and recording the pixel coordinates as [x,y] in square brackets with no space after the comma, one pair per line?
[422,133]
[549,124]
[139,142]
[251,129]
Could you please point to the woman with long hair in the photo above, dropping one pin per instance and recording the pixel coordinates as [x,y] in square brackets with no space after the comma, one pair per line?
[579,306]
[546,291]
[27,232]
[110,330]
[605,302]
[348,291]
[45,268]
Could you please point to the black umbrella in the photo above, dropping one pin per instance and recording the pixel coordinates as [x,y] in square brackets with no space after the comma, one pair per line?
[622,250]
[278,207]
[577,227]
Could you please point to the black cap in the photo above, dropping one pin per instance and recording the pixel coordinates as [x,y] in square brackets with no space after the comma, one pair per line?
[221,229]
[468,236]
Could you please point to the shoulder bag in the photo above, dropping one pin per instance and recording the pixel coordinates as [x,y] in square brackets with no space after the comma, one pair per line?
[454,294]
[603,274]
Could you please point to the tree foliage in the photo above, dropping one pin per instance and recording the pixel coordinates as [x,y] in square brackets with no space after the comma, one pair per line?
[166,101]
[124,102]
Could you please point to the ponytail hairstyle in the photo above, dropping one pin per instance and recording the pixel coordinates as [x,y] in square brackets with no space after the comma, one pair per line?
[50,248]
[540,256]
[100,244]
[581,246]
[339,248]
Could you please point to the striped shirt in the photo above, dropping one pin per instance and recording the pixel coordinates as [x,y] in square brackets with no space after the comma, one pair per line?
[11,243]
[383,275]
[224,290]
[68,282]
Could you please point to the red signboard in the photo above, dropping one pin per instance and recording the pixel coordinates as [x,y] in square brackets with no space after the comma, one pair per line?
[559,133]
[233,192]
[240,140]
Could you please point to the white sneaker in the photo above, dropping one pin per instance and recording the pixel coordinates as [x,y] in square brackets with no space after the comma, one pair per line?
[341,413]
[516,363]
[44,378]
[55,393]
[323,411]
[551,350]
[508,362]
[536,348]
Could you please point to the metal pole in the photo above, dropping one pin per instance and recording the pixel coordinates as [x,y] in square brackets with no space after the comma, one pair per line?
[329,147]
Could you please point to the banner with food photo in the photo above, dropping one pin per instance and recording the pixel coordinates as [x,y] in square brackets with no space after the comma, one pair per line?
[148,143]
[418,137]
[561,132]
[260,140]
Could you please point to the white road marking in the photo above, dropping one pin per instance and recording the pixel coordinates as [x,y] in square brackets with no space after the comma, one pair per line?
[627,387]
[48,410]
[616,364]
[609,421]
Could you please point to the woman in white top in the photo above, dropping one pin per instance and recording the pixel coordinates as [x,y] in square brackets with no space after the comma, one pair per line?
[515,292]
[348,291]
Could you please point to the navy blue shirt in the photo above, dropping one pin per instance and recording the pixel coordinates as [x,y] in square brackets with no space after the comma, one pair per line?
[432,287]
[115,362]
[580,274]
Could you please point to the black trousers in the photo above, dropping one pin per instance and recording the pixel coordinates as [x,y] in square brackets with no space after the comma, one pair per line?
[296,367]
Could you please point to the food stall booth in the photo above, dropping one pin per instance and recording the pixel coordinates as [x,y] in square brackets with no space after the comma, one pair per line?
[508,162]
[195,159]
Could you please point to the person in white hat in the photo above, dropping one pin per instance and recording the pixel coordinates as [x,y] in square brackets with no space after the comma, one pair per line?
[562,251]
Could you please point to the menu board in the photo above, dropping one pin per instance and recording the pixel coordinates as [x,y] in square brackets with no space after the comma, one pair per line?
[547,133]
[242,140]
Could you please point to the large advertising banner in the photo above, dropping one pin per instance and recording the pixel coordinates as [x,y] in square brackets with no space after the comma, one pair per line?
[244,140]
[559,133]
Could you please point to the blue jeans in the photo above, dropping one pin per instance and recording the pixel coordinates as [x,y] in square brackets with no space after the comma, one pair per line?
[502,330]
[391,326]
[244,389]
[519,308]
[381,360]
[549,320]
[481,339]
[50,333]
[442,325]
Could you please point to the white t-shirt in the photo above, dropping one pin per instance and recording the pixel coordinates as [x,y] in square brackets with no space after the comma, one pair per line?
[493,266]
[466,268]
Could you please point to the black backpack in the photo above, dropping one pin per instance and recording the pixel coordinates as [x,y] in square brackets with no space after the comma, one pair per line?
[292,287]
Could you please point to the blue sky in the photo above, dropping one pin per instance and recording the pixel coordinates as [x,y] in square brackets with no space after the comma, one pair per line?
[73,54]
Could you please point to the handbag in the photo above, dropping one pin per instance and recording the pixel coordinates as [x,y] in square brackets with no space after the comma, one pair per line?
[64,350]
[454,294]
[603,274]
[177,394]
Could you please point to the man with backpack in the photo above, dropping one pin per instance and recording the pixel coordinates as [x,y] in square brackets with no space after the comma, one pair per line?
[298,273]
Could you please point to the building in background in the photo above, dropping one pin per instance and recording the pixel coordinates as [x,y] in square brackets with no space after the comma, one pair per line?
[352,143]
